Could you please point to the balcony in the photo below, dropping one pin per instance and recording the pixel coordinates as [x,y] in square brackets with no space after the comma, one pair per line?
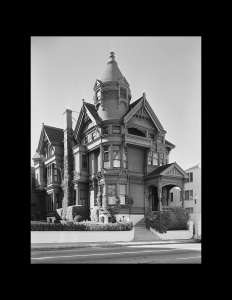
[137,140]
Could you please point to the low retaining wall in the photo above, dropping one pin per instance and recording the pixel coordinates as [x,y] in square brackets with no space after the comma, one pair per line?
[175,234]
[81,236]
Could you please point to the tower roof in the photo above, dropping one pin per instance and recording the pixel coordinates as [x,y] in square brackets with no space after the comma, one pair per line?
[112,72]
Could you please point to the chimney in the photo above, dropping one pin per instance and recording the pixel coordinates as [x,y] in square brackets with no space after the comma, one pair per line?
[68,161]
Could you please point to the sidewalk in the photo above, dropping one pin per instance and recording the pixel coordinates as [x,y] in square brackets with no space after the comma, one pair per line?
[62,246]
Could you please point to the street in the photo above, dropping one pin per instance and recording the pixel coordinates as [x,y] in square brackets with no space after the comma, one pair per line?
[136,254]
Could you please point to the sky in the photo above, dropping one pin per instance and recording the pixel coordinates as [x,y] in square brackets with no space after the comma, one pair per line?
[166,69]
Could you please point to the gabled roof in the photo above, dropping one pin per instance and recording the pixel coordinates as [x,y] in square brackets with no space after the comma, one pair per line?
[91,108]
[159,170]
[166,170]
[142,102]
[53,134]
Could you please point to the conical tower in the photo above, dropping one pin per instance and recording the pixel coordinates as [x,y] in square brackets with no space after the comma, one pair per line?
[112,94]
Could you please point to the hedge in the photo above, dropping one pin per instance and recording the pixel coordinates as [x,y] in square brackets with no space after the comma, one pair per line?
[71,212]
[82,226]
[175,219]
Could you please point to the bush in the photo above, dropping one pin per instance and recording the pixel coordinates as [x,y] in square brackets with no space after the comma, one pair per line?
[83,226]
[95,214]
[175,219]
[71,212]
[78,218]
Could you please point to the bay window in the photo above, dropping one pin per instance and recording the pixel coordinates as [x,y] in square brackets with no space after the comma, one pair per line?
[105,130]
[106,156]
[122,193]
[155,159]
[150,158]
[116,156]
[55,174]
[111,194]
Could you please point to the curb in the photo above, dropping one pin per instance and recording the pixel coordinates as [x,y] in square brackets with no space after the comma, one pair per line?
[119,244]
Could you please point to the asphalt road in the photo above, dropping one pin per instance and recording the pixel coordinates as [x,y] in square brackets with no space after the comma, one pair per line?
[141,254]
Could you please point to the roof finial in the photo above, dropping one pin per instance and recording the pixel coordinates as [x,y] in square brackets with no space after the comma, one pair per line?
[112,57]
[144,95]
[83,101]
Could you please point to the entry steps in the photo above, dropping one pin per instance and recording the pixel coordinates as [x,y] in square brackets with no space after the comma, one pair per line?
[143,234]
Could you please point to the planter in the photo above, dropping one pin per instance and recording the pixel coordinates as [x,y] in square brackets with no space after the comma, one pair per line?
[81,236]
[174,234]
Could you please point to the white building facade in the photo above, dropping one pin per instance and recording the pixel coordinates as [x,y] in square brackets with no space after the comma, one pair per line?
[192,188]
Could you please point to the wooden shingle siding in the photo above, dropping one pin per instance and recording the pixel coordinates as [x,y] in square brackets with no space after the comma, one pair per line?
[137,193]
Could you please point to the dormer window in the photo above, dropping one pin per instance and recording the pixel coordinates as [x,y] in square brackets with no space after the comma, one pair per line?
[98,94]
[122,93]
[160,140]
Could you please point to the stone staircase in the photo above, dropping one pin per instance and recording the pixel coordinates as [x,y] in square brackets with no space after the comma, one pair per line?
[143,234]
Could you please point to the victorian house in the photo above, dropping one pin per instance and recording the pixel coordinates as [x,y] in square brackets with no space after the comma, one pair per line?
[117,148]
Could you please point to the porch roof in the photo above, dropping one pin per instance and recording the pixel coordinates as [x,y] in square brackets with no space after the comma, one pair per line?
[159,170]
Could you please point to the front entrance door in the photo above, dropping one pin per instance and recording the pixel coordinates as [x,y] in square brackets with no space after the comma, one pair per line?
[154,198]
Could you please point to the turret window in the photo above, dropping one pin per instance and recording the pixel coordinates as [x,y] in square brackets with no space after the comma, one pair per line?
[122,93]
[55,174]
[116,129]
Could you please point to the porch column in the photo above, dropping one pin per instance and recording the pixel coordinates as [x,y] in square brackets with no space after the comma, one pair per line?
[183,193]
[77,195]
[54,201]
[160,194]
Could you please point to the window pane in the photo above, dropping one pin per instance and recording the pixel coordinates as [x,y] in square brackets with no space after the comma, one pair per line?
[106,164]
[191,176]
[106,156]
[106,148]
[155,155]
[117,155]
[191,193]
[186,195]
[111,189]
[116,129]
[116,163]
[116,148]
[105,130]
[122,189]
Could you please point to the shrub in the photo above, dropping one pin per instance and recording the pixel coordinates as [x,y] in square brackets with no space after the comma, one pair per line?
[83,226]
[78,218]
[95,214]
[175,219]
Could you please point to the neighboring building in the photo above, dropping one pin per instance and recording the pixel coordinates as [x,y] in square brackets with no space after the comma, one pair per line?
[38,209]
[116,148]
[192,187]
